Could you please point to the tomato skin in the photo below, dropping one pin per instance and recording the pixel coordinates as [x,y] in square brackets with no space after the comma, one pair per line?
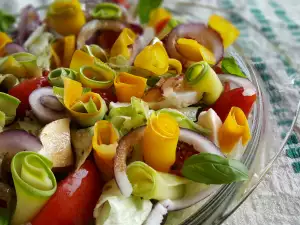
[161,24]
[24,89]
[74,200]
[107,94]
[230,98]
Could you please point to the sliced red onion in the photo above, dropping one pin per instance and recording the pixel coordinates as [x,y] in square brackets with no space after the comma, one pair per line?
[29,21]
[236,82]
[12,48]
[45,106]
[138,29]
[90,28]
[157,214]
[14,141]
[204,35]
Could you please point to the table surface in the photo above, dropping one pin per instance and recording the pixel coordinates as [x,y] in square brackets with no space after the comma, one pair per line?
[277,198]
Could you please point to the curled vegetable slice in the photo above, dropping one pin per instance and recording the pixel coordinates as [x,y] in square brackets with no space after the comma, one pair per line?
[69,48]
[8,107]
[160,141]
[122,44]
[22,65]
[8,81]
[66,17]
[85,108]
[128,85]
[150,184]
[80,59]
[107,11]
[228,31]
[235,127]
[157,16]
[105,142]
[4,39]
[205,36]
[97,76]
[55,77]
[95,51]
[34,182]
[153,58]
[203,79]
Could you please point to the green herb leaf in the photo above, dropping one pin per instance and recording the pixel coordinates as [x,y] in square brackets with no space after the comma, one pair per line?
[230,66]
[144,8]
[6,21]
[213,169]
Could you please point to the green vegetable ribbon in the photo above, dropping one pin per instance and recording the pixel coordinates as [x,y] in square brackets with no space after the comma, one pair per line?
[8,107]
[203,79]
[107,11]
[22,65]
[150,184]
[34,183]
[55,77]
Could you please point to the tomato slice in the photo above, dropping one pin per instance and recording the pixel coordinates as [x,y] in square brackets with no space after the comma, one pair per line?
[230,98]
[161,24]
[24,89]
[74,200]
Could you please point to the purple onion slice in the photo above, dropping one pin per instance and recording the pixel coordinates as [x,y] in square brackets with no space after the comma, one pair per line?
[12,48]
[204,35]
[45,106]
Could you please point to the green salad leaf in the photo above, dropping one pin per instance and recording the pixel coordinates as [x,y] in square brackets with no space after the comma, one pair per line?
[145,7]
[6,21]
[213,169]
[126,118]
[114,208]
[230,66]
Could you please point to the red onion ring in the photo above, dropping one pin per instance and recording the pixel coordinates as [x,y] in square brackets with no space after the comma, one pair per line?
[12,48]
[206,36]
[93,26]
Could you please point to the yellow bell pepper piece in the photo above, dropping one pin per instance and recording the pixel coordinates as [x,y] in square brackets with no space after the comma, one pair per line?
[160,141]
[194,51]
[69,48]
[153,58]
[227,30]
[80,59]
[234,128]
[66,17]
[4,39]
[105,142]
[157,15]
[128,85]
[120,47]
[175,64]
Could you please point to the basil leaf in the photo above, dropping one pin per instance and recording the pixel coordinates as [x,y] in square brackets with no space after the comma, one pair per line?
[213,169]
[145,7]
[6,21]
[230,66]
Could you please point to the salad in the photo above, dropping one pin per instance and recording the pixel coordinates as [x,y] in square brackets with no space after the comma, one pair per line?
[116,114]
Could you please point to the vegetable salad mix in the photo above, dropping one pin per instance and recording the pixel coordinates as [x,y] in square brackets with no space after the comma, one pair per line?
[111,117]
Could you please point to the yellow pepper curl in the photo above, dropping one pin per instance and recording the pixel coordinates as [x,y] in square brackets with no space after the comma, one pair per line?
[66,16]
[120,47]
[194,51]
[227,30]
[62,51]
[80,59]
[157,15]
[4,39]
[234,128]
[105,142]
[128,85]
[160,141]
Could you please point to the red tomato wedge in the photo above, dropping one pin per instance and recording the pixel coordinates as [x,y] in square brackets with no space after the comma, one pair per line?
[74,201]
[230,98]
[24,89]
[161,25]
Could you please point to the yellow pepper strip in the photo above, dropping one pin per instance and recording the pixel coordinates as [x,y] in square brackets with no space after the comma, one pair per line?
[120,47]
[4,39]
[93,105]
[66,17]
[235,127]
[128,85]
[69,48]
[80,59]
[153,58]
[194,51]
[175,64]
[157,15]
[105,142]
[227,30]
[160,141]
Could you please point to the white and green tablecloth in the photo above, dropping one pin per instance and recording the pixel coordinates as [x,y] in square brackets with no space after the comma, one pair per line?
[276,200]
